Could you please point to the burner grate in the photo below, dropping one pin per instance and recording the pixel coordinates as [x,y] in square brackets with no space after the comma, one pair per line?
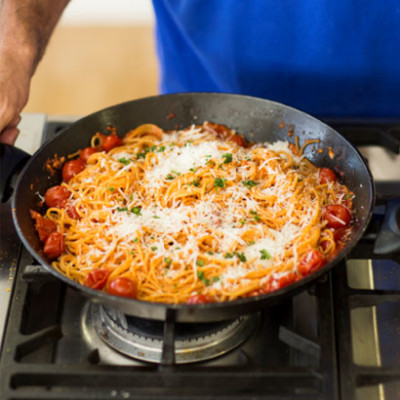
[32,369]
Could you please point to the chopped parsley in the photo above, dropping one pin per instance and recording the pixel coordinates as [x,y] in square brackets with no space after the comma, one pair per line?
[227,158]
[167,260]
[241,257]
[124,161]
[122,209]
[196,182]
[161,149]
[145,151]
[255,215]
[348,196]
[215,279]
[156,217]
[200,263]
[249,183]
[265,255]
[200,275]
[228,255]
[219,182]
[135,240]
[172,175]
[153,248]
[111,189]
[136,210]
[251,243]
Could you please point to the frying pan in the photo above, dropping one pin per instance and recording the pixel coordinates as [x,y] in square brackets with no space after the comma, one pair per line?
[257,119]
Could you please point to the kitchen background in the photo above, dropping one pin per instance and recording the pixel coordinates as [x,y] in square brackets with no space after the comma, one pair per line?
[101,53]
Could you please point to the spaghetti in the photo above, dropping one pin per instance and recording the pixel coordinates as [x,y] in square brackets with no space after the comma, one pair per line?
[193,215]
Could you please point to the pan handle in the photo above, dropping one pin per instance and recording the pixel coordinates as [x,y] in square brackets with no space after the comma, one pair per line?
[388,240]
[12,159]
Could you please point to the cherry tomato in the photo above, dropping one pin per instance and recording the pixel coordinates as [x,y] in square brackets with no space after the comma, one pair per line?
[199,299]
[339,233]
[44,226]
[220,131]
[122,286]
[287,280]
[71,168]
[239,140]
[97,278]
[54,245]
[86,153]
[326,175]
[336,216]
[311,262]
[72,213]
[110,141]
[57,196]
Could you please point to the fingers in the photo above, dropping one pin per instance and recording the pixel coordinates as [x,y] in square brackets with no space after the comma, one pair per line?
[10,132]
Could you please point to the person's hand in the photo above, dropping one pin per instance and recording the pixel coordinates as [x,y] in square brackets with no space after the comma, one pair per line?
[14,91]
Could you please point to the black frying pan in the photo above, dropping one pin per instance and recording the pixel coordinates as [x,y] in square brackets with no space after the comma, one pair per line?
[256,119]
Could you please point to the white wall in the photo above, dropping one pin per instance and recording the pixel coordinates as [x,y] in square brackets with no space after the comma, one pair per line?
[108,12]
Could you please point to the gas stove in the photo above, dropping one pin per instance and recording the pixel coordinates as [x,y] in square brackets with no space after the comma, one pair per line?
[340,339]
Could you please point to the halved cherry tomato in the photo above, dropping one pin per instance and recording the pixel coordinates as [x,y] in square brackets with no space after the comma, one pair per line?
[71,168]
[336,216]
[287,280]
[122,286]
[72,213]
[199,299]
[97,278]
[239,140]
[54,245]
[326,175]
[311,262]
[110,141]
[220,131]
[339,233]
[44,226]
[86,153]
[57,196]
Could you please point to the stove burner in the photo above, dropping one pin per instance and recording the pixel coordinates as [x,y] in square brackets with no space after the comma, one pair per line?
[142,339]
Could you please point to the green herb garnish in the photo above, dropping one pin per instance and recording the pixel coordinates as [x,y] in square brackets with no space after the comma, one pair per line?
[200,263]
[136,210]
[219,182]
[124,161]
[227,158]
[255,214]
[241,257]
[265,255]
[200,275]
[249,183]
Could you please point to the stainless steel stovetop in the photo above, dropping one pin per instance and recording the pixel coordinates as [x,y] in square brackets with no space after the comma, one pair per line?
[361,359]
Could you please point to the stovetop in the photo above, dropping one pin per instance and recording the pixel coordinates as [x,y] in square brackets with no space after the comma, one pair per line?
[338,340]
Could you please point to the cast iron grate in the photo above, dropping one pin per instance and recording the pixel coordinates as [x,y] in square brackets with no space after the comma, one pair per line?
[306,369]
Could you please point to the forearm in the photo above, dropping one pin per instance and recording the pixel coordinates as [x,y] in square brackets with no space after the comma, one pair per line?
[26,27]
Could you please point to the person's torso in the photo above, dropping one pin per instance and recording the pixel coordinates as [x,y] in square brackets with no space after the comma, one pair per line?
[326,58]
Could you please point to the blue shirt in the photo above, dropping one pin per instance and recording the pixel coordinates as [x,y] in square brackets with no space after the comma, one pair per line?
[328,58]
